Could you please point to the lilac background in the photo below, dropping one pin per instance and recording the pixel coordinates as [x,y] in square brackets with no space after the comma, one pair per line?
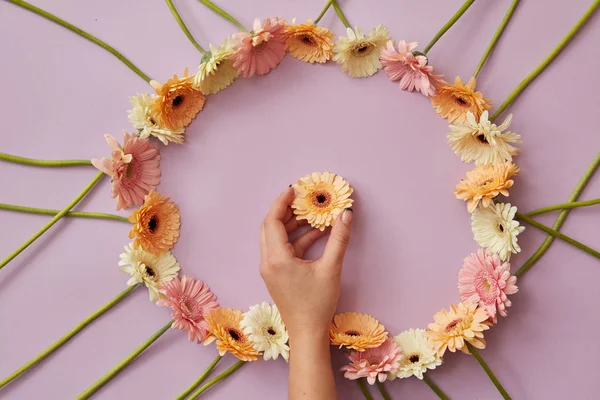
[60,94]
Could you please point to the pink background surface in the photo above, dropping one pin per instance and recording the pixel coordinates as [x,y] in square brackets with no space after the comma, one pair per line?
[60,94]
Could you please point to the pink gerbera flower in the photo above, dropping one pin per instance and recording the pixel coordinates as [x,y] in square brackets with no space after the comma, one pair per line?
[134,169]
[409,68]
[191,301]
[374,363]
[261,50]
[486,281]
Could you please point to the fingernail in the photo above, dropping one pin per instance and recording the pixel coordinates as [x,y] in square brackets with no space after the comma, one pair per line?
[347,216]
[290,186]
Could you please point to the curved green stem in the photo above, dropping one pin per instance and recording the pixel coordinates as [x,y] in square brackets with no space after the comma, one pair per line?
[499,31]
[364,389]
[200,379]
[217,379]
[323,11]
[78,328]
[83,34]
[340,14]
[538,70]
[384,393]
[435,388]
[563,206]
[86,394]
[448,25]
[183,26]
[77,214]
[223,14]
[53,220]
[489,372]
[560,220]
[43,163]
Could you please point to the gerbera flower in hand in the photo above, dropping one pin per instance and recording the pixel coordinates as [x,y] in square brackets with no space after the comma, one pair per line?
[225,326]
[308,42]
[454,101]
[485,280]
[156,224]
[418,353]
[374,364]
[495,228]
[359,53]
[486,182]
[216,70]
[320,197]
[356,331]
[265,328]
[259,51]
[134,169]
[143,119]
[411,69]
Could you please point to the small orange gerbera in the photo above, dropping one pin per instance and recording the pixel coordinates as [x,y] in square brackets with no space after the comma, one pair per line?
[178,101]
[356,331]
[156,224]
[308,42]
[454,101]
[224,327]
[486,182]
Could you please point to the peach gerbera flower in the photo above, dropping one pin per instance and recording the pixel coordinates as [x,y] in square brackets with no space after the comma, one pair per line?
[320,197]
[225,326]
[486,182]
[454,101]
[485,280]
[460,323]
[374,364]
[156,224]
[178,101]
[308,42]
[261,50]
[133,168]
[356,331]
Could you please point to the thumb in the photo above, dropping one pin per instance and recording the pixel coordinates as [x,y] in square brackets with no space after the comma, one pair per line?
[339,238]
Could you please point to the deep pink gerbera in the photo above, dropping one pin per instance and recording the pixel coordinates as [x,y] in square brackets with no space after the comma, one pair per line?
[375,363]
[261,50]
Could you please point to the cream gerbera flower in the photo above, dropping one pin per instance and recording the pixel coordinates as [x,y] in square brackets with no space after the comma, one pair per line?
[359,54]
[216,70]
[149,269]
[263,325]
[142,119]
[356,331]
[320,197]
[483,142]
[418,352]
[494,228]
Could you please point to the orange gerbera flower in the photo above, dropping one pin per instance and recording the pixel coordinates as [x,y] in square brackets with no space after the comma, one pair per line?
[356,331]
[178,101]
[156,224]
[486,182]
[454,101]
[308,42]
[224,325]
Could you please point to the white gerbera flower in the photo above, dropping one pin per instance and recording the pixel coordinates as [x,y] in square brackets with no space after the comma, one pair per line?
[494,228]
[149,269]
[216,70]
[418,353]
[142,119]
[263,324]
[359,54]
[483,142]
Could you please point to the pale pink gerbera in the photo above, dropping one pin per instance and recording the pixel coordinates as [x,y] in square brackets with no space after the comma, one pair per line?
[191,301]
[485,280]
[409,68]
[134,169]
[375,363]
[261,50]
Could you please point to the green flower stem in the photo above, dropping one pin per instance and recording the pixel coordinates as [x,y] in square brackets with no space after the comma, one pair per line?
[120,366]
[340,14]
[217,379]
[364,389]
[538,70]
[200,379]
[81,33]
[563,206]
[558,235]
[489,372]
[223,14]
[448,25]
[560,220]
[384,393]
[323,11]
[53,220]
[499,31]
[435,388]
[183,26]
[79,327]
[46,211]
[43,163]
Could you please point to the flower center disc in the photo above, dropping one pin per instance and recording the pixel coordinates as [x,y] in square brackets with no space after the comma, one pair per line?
[362,49]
